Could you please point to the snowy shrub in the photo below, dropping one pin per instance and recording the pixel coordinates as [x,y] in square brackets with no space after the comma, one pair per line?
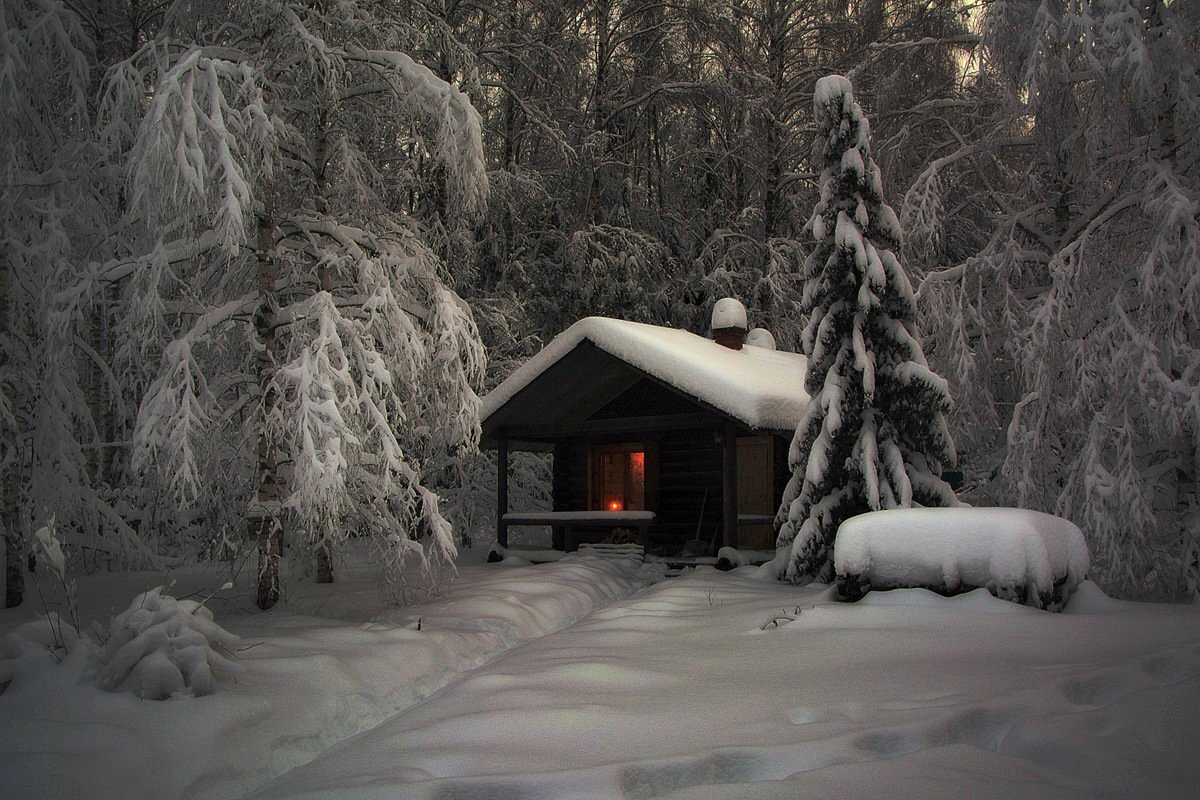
[160,647]
[44,642]
[1023,556]
[50,552]
[50,639]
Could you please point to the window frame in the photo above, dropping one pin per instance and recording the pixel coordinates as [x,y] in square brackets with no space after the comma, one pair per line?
[596,452]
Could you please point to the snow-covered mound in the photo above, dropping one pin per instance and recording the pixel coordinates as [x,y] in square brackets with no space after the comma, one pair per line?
[160,647]
[1024,556]
[39,645]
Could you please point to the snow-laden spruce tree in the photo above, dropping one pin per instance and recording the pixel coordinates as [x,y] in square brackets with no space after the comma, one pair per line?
[300,350]
[874,435]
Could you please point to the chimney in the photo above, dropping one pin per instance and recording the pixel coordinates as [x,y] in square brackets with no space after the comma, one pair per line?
[760,337]
[729,323]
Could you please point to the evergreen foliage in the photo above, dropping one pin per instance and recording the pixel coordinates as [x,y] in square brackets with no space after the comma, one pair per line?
[874,436]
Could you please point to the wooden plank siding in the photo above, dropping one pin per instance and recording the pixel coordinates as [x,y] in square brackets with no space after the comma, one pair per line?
[689,488]
[756,490]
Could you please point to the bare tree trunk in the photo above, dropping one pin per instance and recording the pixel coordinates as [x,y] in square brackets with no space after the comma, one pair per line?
[10,501]
[14,553]
[325,560]
[263,522]
[774,177]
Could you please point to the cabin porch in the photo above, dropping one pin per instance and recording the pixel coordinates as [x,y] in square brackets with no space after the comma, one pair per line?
[678,493]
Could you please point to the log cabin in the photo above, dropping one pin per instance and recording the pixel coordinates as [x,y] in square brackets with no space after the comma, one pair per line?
[680,437]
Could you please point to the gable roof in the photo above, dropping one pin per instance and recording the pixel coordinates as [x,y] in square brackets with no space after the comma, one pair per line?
[763,389]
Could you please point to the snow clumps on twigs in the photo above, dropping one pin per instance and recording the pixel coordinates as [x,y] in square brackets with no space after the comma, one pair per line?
[162,647]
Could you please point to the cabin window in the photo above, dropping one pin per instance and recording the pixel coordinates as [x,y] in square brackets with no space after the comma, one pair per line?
[618,477]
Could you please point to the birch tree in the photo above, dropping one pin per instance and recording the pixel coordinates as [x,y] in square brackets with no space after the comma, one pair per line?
[305,337]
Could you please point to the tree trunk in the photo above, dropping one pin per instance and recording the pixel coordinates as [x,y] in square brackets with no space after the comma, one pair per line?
[263,522]
[325,560]
[774,178]
[267,530]
[324,284]
[14,555]
[10,501]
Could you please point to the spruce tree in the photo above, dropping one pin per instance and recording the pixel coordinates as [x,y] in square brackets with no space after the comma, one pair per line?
[874,435]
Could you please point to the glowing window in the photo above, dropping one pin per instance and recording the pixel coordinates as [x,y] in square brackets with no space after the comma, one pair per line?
[618,477]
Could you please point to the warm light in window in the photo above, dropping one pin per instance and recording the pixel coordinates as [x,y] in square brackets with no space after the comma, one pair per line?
[617,473]
[637,465]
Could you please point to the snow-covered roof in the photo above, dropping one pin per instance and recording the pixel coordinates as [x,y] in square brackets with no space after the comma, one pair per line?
[762,388]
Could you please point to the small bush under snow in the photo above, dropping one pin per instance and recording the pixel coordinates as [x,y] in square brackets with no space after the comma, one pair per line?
[161,646]
[36,645]
[1024,556]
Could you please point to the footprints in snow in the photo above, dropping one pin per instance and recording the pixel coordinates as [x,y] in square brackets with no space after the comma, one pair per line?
[903,727]
[636,782]
[984,728]
[642,781]
[1172,666]
[1107,686]
[928,722]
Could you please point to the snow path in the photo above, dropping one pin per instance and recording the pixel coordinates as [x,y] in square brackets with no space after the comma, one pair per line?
[309,682]
[679,692]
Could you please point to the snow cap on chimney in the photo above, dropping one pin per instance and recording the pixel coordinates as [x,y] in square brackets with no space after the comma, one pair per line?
[729,323]
[760,337]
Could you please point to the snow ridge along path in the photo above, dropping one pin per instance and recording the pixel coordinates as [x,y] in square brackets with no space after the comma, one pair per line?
[309,681]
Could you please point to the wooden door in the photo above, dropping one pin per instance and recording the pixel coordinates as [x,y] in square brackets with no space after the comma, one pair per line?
[756,490]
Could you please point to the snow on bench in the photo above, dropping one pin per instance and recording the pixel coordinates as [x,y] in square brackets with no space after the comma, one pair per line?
[1023,556]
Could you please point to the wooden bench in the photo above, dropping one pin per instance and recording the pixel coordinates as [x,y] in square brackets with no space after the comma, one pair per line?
[569,521]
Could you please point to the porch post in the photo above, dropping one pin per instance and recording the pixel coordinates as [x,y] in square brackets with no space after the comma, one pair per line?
[560,491]
[501,491]
[729,491]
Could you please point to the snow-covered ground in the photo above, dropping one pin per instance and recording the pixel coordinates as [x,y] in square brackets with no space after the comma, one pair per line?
[329,663]
[568,681]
